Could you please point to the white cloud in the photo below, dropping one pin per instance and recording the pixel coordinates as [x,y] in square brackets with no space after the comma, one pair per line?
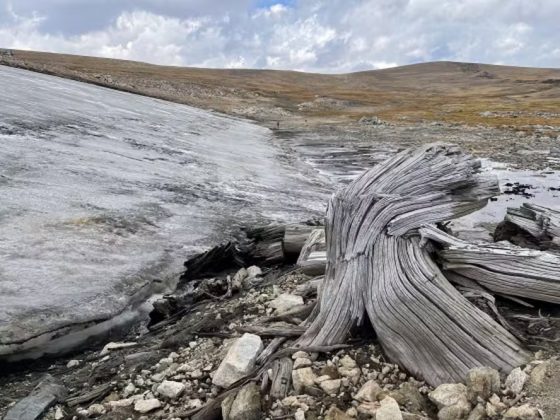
[311,35]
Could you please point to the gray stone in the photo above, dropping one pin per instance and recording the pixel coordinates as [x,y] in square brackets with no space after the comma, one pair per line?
[226,406]
[389,410]
[516,380]
[253,272]
[478,413]
[446,395]
[170,389]
[331,386]
[285,302]
[72,364]
[239,361]
[302,362]
[247,404]
[335,413]
[522,412]
[482,382]
[47,393]
[145,406]
[303,378]
[368,392]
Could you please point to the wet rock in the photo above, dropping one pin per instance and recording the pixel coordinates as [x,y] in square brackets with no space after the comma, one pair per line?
[145,406]
[331,386]
[247,404]
[303,378]
[368,392]
[522,412]
[239,361]
[482,382]
[48,392]
[170,389]
[516,380]
[285,302]
[335,413]
[389,410]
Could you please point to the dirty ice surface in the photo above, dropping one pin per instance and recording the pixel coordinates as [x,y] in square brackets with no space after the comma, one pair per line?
[102,191]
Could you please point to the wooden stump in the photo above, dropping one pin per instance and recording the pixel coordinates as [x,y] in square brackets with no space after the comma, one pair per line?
[377,268]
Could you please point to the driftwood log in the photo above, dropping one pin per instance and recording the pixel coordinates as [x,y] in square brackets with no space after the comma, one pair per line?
[542,223]
[501,267]
[377,268]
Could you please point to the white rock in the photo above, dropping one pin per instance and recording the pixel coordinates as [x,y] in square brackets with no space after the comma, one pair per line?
[170,389]
[145,406]
[332,386]
[522,412]
[302,378]
[127,402]
[285,302]
[516,380]
[446,395]
[58,414]
[115,346]
[129,389]
[299,414]
[301,354]
[253,272]
[347,362]
[368,392]
[389,410]
[96,410]
[302,362]
[72,364]
[238,278]
[239,360]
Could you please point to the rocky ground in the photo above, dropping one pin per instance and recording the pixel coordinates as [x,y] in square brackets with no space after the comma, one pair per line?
[213,331]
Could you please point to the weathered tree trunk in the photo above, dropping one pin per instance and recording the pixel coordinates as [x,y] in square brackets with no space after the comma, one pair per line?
[375,267]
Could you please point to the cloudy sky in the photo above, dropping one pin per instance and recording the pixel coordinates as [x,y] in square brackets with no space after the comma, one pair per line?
[330,36]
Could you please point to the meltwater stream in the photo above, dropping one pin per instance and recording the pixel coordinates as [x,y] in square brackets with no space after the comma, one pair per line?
[102,191]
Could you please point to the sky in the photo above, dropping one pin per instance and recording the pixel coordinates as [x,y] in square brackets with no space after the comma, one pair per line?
[327,36]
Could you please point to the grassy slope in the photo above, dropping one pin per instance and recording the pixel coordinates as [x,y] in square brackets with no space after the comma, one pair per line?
[443,91]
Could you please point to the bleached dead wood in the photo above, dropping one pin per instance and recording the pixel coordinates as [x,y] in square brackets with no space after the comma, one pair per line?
[295,237]
[540,222]
[501,267]
[375,268]
[313,256]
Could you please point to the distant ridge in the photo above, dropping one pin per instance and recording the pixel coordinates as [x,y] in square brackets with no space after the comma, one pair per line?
[438,91]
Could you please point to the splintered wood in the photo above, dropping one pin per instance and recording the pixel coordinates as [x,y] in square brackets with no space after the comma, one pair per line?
[377,268]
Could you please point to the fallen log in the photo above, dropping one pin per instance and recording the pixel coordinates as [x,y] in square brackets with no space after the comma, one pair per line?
[542,223]
[47,393]
[295,237]
[313,257]
[500,267]
[376,268]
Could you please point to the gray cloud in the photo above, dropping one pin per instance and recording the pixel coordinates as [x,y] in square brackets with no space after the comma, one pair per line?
[312,35]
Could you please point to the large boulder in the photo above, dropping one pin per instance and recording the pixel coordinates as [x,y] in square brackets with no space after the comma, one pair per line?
[239,361]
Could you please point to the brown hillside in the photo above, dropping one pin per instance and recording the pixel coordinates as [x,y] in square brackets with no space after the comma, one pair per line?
[443,91]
